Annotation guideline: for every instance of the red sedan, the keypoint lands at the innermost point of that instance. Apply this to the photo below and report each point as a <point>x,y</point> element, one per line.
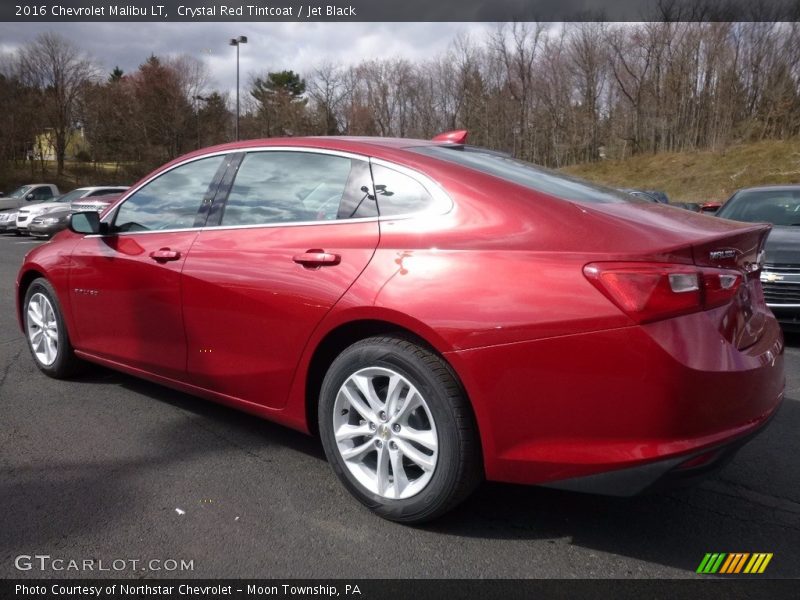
<point>437,313</point>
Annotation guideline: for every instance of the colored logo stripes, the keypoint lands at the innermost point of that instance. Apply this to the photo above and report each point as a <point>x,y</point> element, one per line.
<point>735,562</point>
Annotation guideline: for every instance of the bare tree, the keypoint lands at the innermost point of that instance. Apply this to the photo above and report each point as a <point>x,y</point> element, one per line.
<point>328,90</point>
<point>60,70</point>
<point>552,94</point>
<point>516,47</point>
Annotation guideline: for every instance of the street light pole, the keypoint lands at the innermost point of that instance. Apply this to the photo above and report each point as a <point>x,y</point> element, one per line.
<point>197,111</point>
<point>242,39</point>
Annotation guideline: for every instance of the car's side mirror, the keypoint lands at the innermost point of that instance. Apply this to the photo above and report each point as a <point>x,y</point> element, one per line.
<point>87,222</point>
<point>29,197</point>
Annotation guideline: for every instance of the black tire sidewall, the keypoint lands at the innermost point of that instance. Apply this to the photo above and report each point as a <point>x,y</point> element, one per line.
<point>63,364</point>
<point>437,493</point>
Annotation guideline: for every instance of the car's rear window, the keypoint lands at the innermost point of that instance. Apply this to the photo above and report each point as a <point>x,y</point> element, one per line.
<point>527,174</point>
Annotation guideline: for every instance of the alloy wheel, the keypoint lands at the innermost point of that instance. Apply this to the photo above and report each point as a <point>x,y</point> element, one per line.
<point>385,433</point>
<point>42,329</point>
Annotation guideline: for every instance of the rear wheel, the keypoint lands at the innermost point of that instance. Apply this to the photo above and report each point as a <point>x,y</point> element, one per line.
<point>45,331</point>
<point>398,430</point>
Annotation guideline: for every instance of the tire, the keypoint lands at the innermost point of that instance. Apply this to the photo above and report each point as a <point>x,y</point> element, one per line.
<point>41,304</point>
<point>426,448</point>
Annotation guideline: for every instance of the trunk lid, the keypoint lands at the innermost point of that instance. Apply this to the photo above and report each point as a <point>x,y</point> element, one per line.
<point>667,234</point>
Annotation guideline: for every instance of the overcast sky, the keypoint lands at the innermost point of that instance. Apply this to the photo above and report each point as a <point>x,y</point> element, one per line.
<point>270,47</point>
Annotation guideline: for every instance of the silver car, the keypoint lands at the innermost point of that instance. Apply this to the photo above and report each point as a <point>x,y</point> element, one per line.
<point>8,221</point>
<point>79,195</point>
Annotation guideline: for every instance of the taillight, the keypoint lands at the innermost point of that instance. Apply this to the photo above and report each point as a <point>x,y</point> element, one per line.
<point>720,286</point>
<point>654,291</point>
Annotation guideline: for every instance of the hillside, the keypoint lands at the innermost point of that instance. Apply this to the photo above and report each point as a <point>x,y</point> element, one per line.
<point>700,176</point>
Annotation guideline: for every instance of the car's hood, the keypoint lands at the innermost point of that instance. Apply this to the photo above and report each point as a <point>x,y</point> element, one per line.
<point>783,246</point>
<point>56,212</point>
<point>40,207</point>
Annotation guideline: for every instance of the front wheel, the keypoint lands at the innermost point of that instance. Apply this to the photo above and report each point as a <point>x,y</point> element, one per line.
<point>45,331</point>
<point>398,430</point>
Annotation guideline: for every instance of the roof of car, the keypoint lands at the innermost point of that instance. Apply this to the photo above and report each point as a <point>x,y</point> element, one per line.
<point>774,188</point>
<point>343,143</point>
<point>102,187</point>
<point>381,147</point>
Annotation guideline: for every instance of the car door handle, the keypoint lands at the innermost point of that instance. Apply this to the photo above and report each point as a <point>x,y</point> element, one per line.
<point>164,255</point>
<point>317,258</point>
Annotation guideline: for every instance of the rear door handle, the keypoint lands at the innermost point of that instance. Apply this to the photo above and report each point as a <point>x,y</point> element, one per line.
<point>317,258</point>
<point>164,255</point>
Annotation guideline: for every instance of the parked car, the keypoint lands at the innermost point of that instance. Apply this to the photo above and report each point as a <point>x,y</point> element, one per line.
<point>98,201</point>
<point>47,225</point>
<point>780,278</point>
<point>640,194</point>
<point>8,221</point>
<point>79,195</point>
<point>659,196</point>
<point>33,192</point>
<point>437,313</point>
<point>649,195</point>
<point>710,207</point>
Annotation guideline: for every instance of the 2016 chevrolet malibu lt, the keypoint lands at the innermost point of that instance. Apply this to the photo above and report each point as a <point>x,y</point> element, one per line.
<point>437,313</point>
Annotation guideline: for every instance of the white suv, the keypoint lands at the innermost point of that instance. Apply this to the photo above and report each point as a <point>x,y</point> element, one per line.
<point>26,214</point>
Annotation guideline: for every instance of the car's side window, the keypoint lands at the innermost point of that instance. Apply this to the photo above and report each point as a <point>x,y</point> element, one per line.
<point>286,187</point>
<point>171,200</point>
<point>358,201</point>
<point>399,194</point>
<point>42,193</point>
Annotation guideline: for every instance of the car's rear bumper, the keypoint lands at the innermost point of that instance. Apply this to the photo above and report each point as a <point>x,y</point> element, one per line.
<point>646,397</point>
<point>662,474</point>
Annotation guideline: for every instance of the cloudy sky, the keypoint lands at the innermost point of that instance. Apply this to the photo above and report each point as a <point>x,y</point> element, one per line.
<point>271,46</point>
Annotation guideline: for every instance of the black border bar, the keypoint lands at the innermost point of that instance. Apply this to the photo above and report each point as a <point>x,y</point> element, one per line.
<point>707,588</point>
<point>397,10</point>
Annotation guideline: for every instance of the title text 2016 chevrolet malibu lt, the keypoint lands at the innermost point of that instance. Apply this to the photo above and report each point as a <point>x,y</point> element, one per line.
<point>438,313</point>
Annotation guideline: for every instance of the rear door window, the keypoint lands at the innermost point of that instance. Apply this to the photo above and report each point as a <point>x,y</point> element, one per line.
<point>282,187</point>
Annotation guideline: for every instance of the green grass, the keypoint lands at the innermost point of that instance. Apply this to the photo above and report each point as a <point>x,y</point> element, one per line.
<point>700,176</point>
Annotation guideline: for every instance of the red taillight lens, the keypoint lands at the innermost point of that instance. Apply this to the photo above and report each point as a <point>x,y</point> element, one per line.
<point>653,291</point>
<point>720,286</point>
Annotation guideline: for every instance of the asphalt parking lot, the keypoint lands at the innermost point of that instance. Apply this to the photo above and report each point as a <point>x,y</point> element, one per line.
<point>108,467</point>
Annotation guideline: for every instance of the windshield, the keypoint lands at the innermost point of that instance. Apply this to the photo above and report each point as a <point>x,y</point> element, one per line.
<point>70,196</point>
<point>528,175</point>
<point>20,191</point>
<point>779,207</point>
